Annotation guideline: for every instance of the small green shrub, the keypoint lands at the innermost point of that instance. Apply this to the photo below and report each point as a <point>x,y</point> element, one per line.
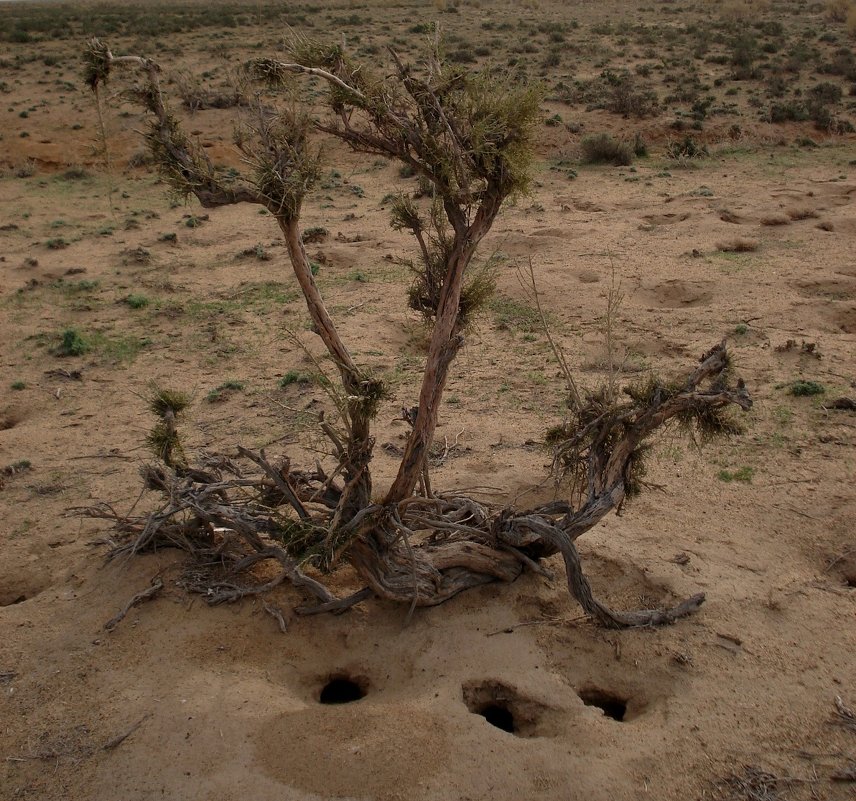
<point>221,392</point>
<point>72,343</point>
<point>802,389</point>
<point>687,148</point>
<point>137,301</point>
<point>18,385</point>
<point>295,377</point>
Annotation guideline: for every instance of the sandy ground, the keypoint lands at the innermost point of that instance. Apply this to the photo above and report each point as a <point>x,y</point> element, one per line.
<point>217,703</point>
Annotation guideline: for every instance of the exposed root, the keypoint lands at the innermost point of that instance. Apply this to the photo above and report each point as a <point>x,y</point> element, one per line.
<point>421,550</point>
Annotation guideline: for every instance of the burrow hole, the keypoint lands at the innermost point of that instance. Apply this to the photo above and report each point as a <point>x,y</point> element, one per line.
<point>343,689</point>
<point>611,704</point>
<point>15,599</point>
<point>499,715</point>
<point>503,707</point>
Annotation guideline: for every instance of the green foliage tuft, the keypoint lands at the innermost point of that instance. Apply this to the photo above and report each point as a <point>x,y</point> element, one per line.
<point>743,474</point>
<point>803,388</point>
<point>160,401</point>
<point>137,301</point>
<point>72,343</point>
<point>96,63</point>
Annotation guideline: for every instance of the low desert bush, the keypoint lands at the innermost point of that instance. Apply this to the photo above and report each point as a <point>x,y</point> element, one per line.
<point>604,149</point>
<point>838,10</point>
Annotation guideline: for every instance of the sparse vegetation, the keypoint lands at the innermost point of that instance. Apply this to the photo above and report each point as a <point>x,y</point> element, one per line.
<point>215,309</point>
<point>222,391</point>
<point>742,474</point>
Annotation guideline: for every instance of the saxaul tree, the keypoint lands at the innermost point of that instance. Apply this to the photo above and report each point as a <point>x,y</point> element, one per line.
<point>470,135</point>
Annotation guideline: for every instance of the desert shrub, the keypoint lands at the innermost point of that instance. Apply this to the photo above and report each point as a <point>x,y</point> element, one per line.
<point>737,246</point>
<point>735,11</point>
<point>463,55</point>
<point>137,301</point>
<point>790,111</point>
<point>553,58</point>
<point>842,62</point>
<point>686,148</point>
<point>72,343</point>
<point>629,100</point>
<point>744,53</point>
<point>701,107</point>
<point>803,389</point>
<point>837,10</point>
<point>481,157</point>
<point>617,92</point>
<point>604,149</point>
<point>825,94</point>
<point>821,99</point>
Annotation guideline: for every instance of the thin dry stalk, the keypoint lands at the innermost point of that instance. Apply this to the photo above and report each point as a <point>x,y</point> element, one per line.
<point>531,287</point>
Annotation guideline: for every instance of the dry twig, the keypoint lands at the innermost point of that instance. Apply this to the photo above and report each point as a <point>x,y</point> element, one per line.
<point>143,595</point>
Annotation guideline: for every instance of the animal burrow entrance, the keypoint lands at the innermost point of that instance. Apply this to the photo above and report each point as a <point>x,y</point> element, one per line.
<point>341,688</point>
<point>499,715</point>
<point>503,707</point>
<point>15,599</point>
<point>611,704</point>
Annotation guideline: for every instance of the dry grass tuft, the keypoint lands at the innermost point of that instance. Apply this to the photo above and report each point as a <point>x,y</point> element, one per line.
<point>838,10</point>
<point>754,784</point>
<point>776,219</point>
<point>738,246</point>
<point>802,214</point>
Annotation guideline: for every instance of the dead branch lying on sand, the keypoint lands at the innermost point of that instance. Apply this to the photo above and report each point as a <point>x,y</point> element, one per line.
<point>143,595</point>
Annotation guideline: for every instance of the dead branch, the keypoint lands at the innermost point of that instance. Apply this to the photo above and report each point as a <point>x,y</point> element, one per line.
<point>276,613</point>
<point>143,595</point>
<point>113,742</point>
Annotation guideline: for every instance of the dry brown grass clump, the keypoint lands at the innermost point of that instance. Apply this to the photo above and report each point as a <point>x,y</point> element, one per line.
<point>738,246</point>
<point>838,10</point>
<point>776,219</point>
<point>802,214</point>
